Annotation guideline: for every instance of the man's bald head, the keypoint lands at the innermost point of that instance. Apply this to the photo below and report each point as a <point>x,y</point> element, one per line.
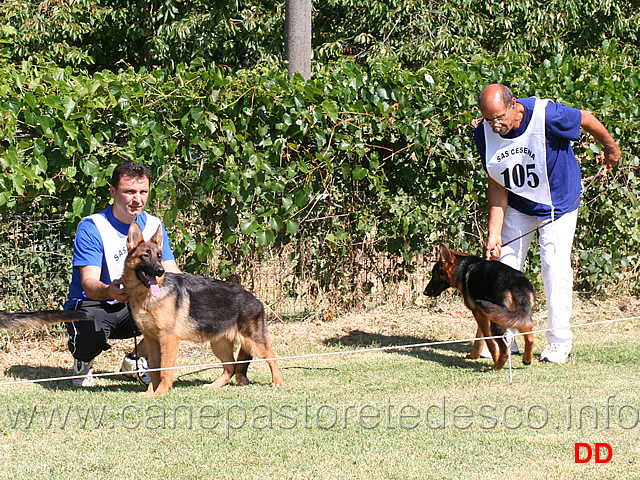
<point>496,92</point>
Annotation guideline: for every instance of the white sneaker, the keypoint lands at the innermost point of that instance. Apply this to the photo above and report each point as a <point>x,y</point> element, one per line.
<point>85,369</point>
<point>130,366</point>
<point>485,353</point>
<point>556,352</point>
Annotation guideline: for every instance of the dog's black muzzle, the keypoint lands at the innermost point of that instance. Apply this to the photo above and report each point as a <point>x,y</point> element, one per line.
<point>148,275</point>
<point>438,283</point>
<point>435,287</point>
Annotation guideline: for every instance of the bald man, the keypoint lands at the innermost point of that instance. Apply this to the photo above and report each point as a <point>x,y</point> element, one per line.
<point>535,183</point>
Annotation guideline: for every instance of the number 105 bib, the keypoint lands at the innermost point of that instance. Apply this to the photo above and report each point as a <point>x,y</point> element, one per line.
<point>520,164</point>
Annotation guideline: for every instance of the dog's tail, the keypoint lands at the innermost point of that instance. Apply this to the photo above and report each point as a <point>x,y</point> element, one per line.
<point>520,318</point>
<point>38,319</point>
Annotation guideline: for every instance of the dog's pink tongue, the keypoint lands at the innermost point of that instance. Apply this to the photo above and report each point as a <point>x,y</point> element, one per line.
<point>154,288</point>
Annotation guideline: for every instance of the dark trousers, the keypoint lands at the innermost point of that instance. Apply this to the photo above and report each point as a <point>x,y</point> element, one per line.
<point>89,339</point>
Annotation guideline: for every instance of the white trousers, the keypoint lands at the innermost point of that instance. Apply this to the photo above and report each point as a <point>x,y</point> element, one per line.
<point>555,240</point>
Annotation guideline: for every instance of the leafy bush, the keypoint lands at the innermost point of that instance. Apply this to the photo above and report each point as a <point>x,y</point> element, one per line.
<point>110,34</point>
<point>354,163</point>
<point>415,32</point>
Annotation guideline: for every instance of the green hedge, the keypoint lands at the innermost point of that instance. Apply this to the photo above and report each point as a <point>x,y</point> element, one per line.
<point>355,162</point>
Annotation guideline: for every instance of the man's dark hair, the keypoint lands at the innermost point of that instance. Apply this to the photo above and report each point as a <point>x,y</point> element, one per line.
<point>130,169</point>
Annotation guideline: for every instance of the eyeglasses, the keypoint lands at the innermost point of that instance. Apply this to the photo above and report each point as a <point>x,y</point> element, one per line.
<point>498,119</point>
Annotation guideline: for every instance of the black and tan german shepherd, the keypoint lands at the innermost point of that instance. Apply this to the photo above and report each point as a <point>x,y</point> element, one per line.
<point>499,297</point>
<point>171,307</point>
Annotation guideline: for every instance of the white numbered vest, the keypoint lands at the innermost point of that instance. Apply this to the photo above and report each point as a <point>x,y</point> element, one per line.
<point>115,243</point>
<point>520,164</point>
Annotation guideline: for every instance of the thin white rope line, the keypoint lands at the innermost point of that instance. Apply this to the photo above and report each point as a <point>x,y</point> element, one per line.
<point>238,362</point>
<point>579,325</point>
<point>311,355</point>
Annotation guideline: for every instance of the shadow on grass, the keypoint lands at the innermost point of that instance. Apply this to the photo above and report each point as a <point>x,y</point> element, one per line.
<point>450,354</point>
<point>43,375</point>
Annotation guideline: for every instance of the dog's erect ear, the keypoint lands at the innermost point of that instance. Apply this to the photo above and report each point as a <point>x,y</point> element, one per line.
<point>445,254</point>
<point>157,238</point>
<point>135,236</point>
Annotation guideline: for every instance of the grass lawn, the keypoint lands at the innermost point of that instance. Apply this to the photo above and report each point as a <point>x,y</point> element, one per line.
<point>398,414</point>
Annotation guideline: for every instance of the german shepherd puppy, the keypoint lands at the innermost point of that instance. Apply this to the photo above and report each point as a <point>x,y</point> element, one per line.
<point>171,307</point>
<point>499,297</point>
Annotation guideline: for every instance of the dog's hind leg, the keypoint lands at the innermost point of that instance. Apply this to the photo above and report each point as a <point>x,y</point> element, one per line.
<point>504,355</point>
<point>498,331</point>
<point>484,326</point>
<point>276,375</point>
<point>262,349</point>
<point>223,349</point>
<point>527,357</point>
<point>241,368</point>
<point>478,345</point>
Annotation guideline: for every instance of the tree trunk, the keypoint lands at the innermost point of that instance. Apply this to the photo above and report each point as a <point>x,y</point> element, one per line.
<point>298,37</point>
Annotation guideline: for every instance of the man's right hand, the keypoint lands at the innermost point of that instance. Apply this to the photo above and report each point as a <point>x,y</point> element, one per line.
<point>117,291</point>
<point>492,249</point>
<point>96,290</point>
